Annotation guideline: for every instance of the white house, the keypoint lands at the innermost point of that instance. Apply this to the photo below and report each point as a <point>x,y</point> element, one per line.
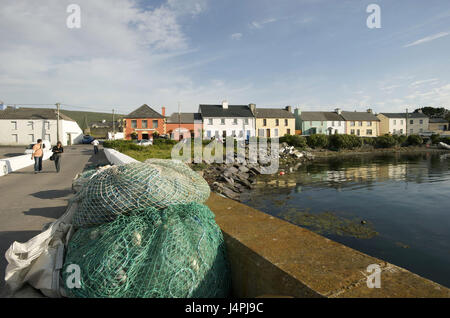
<point>23,126</point>
<point>400,124</point>
<point>335,122</point>
<point>225,120</point>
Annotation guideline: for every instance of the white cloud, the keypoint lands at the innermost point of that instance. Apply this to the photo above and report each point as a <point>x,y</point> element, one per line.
<point>236,36</point>
<point>260,24</point>
<point>422,82</point>
<point>428,39</point>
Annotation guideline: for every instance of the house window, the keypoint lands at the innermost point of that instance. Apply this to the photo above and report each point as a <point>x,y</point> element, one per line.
<point>395,122</point>
<point>246,121</point>
<point>241,134</point>
<point>411,131</point>
<point>47,125</point>
<point>288,131</point>
<point>394,131</point>
<point>421,121</point>
<point>208,133</point>
<point>360,123</point>
<point>352,123</point>
<point>332,123</point>
<point>369,123</point>
<point>14,125</point>
<point>216,134</point>
<point>264,122</point>
<point>401,122</point>
<point>275,132</point>
<point>235,121</point>
<point>358,132</point>
<point>47,137</point>
<point>210,121</point>
<point>222,121</point>
<point>31,124</point>
<point>233,133</point>
<point>369,132</point>
<point>15,138</point>
<point>411,121</point>
<point>134,124</point>
<point>352,131</point>
<point>339,123</point>
<point>224,134</point>
<point>144,124</point>
<point>31,137</point>
<point>286,122</point>
<point>277,122</point>
<point>155,124</point>
<point>260,132</point>
<point>401,131</point>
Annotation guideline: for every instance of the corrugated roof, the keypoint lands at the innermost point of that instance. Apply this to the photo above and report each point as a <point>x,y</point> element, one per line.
<point>273,113</point>
<point>144,111</point>
<point>403,115</point>
<point>232,111</point>
<point>32,113</point>
<point>185,118</point>
<point>362,116</point>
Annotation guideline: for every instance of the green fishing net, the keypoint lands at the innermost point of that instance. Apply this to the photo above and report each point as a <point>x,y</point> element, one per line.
<point>118,190</point>
<point>177,252</point>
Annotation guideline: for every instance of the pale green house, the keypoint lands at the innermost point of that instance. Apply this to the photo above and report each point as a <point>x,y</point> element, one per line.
<point>311,122</point>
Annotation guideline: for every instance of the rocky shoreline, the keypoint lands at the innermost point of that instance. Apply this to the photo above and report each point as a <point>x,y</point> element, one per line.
<point>231,180</point>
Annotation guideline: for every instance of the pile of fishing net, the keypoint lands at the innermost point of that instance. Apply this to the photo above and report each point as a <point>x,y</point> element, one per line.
<point>121,190</point>
<point>83,178</point>
<point>174,252</point>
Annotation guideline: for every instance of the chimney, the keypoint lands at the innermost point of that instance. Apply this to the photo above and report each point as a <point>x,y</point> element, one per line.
<point>297,111</point>
<point>369,110</point>
<point>289,108</point>
<point>252,108</point>
<point>164,111</point>
<point>225,104</point>
<point>338,111</point>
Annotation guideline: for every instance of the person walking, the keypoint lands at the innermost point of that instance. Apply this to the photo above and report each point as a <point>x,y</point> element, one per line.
<point>57,151</point>
<point>95,143</point>
<point>37,156</point>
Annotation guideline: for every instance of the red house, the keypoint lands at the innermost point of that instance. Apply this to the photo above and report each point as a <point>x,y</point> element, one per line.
<point>184,125</point>
<point>144,122</point>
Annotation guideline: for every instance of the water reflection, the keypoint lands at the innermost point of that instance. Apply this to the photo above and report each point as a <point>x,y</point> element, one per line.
<point>403,196</point>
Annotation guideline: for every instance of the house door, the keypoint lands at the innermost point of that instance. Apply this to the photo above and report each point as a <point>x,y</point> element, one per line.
<point>144,136</point>
<point>268,133</point>
<point>69,139</point>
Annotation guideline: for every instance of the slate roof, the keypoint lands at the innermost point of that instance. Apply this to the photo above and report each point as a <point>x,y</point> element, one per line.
<point>32,113</point>
<point>185,118</point>
<point>273,113</point>
<point>144,111</point>
<point>359,116</point>
<point>232,111</point>
<point>403,115</point>
<point>321,116</point>
<point>438,120</point>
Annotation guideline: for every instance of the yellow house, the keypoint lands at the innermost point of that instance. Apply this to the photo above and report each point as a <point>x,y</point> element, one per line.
<point>274,122</point>
<point>363,124</point>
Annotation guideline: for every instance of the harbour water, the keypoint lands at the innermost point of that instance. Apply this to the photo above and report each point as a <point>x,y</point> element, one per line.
<point>392,206</point>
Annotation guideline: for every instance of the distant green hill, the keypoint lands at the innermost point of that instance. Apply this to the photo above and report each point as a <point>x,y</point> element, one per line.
<point>79,117</point>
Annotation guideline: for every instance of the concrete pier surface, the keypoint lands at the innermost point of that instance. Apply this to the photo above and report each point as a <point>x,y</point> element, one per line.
<point>28,201</point>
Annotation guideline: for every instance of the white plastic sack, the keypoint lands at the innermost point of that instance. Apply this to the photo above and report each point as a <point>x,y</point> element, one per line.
<point>39,261</point>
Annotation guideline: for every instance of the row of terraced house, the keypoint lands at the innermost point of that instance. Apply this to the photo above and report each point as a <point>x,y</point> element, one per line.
<point>244,121</point>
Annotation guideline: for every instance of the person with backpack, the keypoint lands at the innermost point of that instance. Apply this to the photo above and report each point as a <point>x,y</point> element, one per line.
<point>37,155</point>
<point>57,151</point>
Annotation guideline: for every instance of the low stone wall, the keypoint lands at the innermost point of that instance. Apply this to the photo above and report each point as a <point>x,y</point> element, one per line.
<point>117,158</point>
<point>270,256</point>
<point>9,165</point>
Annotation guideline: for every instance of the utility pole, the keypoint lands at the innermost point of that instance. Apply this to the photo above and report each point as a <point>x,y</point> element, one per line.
<point>179,121</point>
<point>58,105</point>
<point>114,126</point>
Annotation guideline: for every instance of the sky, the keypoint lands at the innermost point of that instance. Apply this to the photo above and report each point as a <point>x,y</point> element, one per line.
<point>311,54</point>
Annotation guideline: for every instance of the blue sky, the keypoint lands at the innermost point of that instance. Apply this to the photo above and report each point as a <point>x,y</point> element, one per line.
<point>312,54</point>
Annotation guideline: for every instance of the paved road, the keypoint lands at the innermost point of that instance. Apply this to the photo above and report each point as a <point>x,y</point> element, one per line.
<point>28,201</point>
